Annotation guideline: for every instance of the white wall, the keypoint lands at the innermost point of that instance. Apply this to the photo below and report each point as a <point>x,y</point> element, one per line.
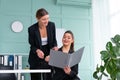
<point>101,28</point>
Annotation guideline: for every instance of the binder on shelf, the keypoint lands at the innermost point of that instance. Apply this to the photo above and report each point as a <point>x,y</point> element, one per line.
<point>2,59</point>
<point>22,77</point>
<point>61,59</point>
<point>19,62</point>
<point>11,60</point>
<point>19,75</point>
<point>5,60</point>
<point>15,62</point>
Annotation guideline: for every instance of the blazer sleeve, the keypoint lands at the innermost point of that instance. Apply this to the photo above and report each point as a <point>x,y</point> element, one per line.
<point>31,39</point>
<point>54,36</point>
<point>51,29</point>
<point>74,71</point>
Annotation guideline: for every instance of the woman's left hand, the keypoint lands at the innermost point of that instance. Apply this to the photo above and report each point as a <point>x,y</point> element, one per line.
<point>67,70</point>
<point>47,58</point>
<point>55,48</point>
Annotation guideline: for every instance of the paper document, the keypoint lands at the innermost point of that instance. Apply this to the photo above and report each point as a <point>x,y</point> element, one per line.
<point>61,59</point>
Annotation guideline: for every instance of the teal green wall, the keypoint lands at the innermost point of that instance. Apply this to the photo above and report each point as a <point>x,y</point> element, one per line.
<point>68,15</point>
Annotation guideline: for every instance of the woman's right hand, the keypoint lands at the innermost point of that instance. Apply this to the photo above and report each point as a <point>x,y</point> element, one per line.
<point>67,70</point>
<point>40,53</point>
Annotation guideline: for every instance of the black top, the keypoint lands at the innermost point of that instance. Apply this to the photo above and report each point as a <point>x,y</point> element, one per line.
<point>61,75</point>
<point>35,41</point>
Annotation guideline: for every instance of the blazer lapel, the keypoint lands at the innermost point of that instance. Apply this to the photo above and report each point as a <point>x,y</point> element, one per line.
<point>37,33</point>
<point>48,34</point>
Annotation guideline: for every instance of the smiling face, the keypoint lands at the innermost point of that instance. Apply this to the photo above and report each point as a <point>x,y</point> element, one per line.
<point>67,39</point>
<point>43,21</point>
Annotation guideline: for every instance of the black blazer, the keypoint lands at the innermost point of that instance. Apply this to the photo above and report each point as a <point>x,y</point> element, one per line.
<point>61,75</point>
<point>34,38</point>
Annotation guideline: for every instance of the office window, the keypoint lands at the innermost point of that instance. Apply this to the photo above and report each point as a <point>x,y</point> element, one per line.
<point>114,13</point>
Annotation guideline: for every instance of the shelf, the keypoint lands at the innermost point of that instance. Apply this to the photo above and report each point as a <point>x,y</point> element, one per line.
<point>26,71</point>
<point>83,3</point>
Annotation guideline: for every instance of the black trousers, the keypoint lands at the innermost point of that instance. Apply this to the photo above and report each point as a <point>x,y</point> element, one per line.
<point>42,64</point>
<point>42,76</point>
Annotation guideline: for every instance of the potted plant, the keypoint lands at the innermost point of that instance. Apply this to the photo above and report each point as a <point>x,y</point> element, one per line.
<point>111,60</point>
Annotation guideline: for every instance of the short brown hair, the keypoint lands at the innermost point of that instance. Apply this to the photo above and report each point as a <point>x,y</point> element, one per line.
<point>41,12</point>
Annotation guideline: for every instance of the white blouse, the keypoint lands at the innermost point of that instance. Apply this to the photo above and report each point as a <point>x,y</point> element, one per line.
<point>44,41</point>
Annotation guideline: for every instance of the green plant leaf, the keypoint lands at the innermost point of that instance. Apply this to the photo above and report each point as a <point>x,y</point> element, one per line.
<point>111,58</point>
<point>118,64</point>
<point>116,50</point>
<point>97,68</point>
<point>109,46</point>
<point>95,75</point>
<point>102,68</point>
<point>105,74</point>
<point>104,55</point>
<point>116,40</point>
<point>114,74</point>
<point>108,68</point>
<point>100,77</point>
<point>118,75</point>
<point>112,64</point>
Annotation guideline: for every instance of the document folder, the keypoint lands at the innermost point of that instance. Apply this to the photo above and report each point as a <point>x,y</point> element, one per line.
<point>61,59</point>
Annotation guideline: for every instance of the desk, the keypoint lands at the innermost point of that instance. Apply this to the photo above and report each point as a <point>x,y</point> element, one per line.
<point>26,71</point>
